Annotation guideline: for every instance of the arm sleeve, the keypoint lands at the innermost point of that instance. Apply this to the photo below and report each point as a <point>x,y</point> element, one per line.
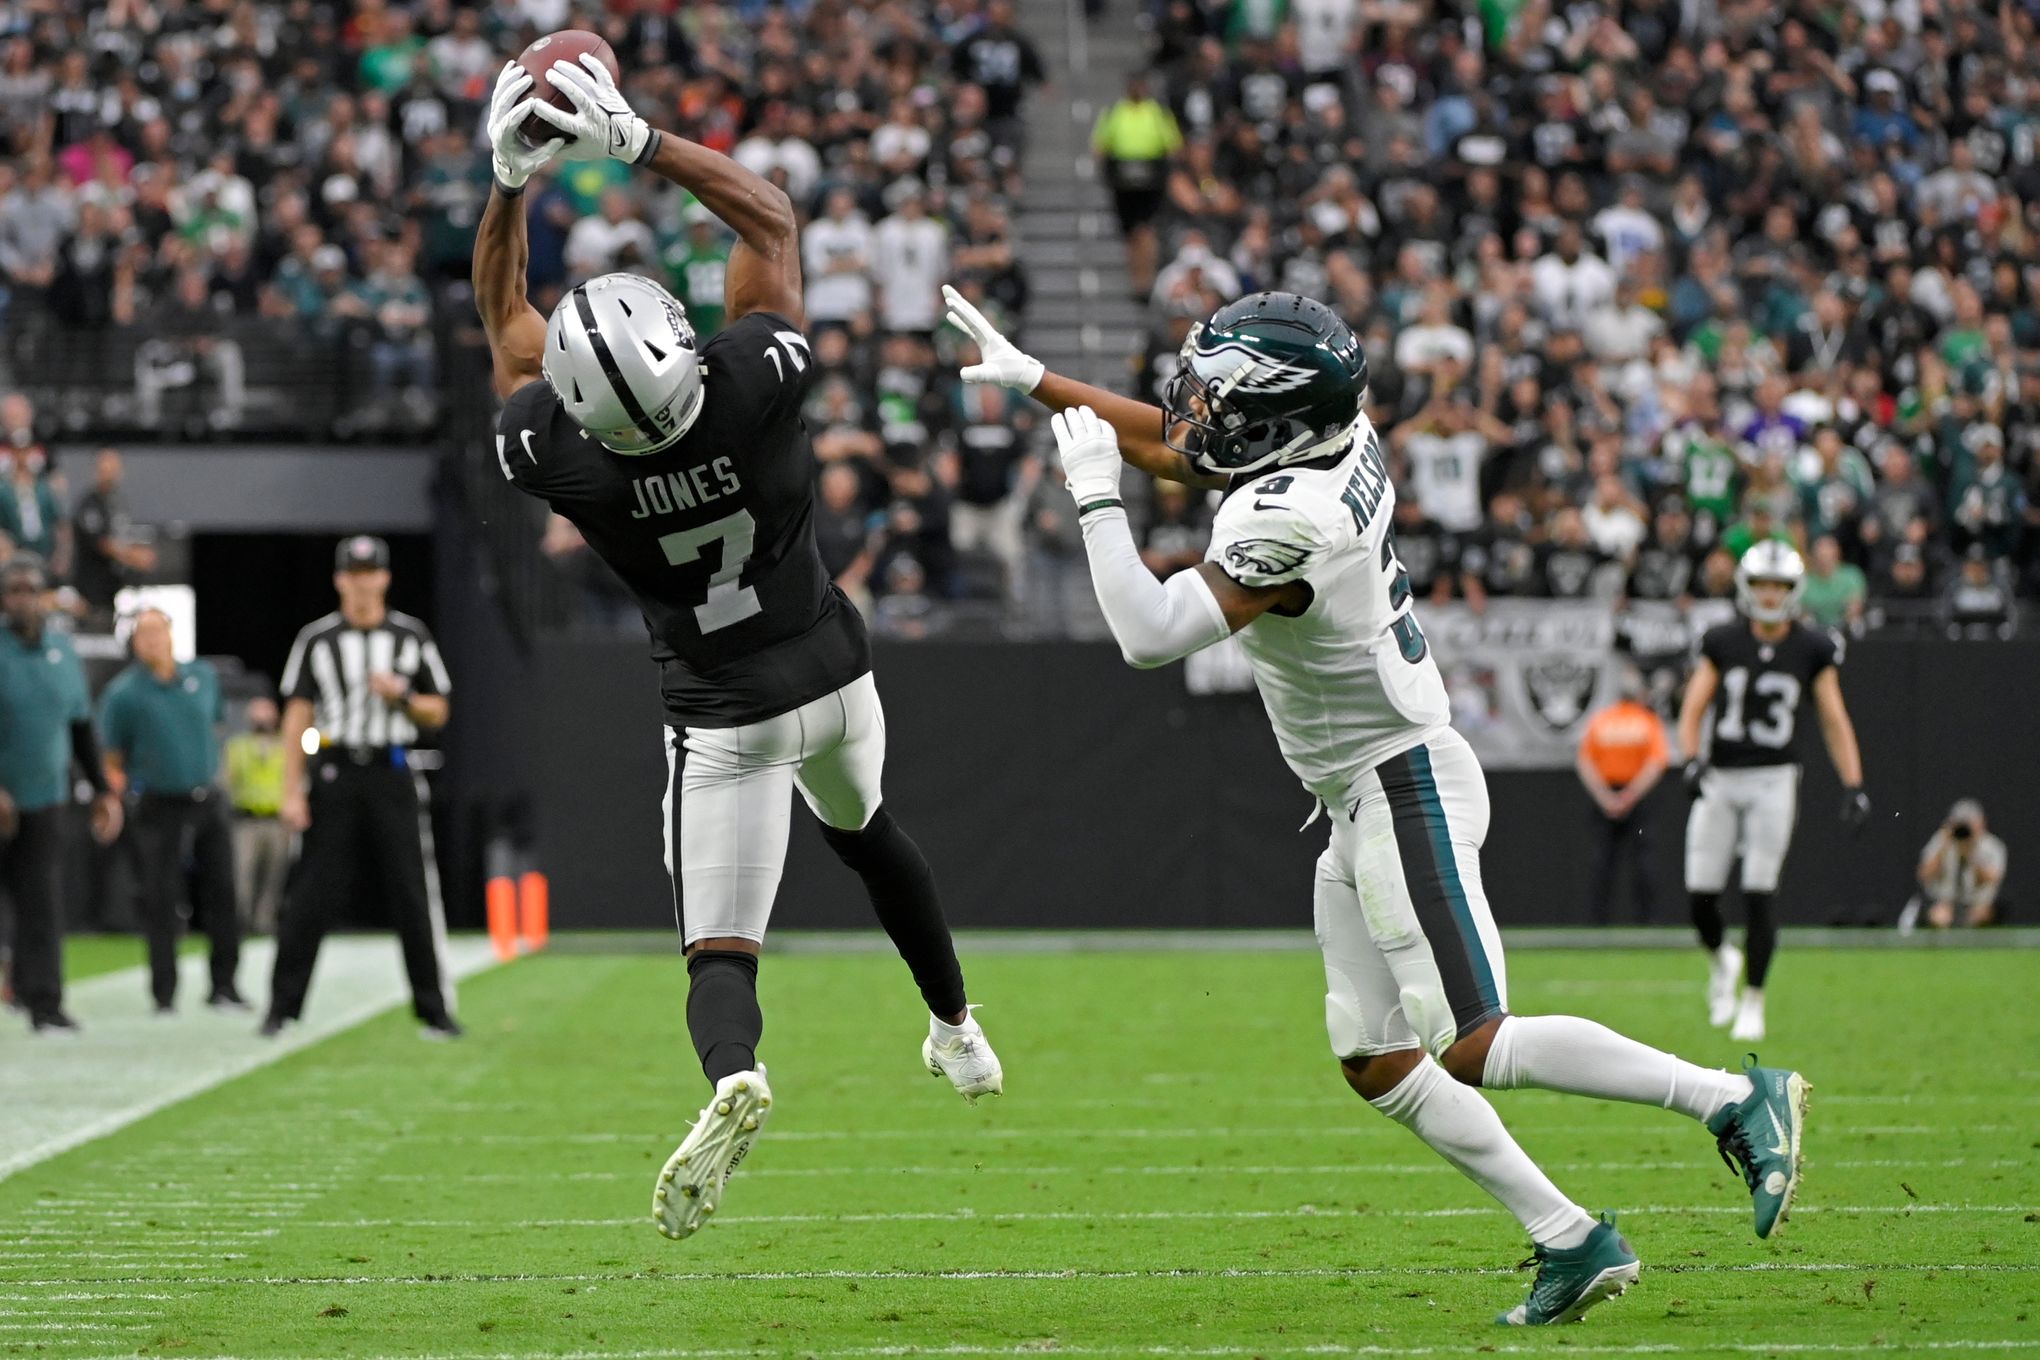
<point>522,428</point>
<point>1154,622</point>
<point>85,750</point>
<point>1261,542</point>
<point>113,723</point>
<point>763,360</point>
<point>297,672</point>
<point>1826,656</point>
<point>432,677</point>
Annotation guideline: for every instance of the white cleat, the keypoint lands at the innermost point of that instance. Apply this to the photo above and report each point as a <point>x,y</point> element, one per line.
<point>963,1054</point>
<point>1721,985</point>
<point>1749,1018</point>
<point>691,1184</point>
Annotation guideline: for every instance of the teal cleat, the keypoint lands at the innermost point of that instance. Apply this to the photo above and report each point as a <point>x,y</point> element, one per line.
<point>1571,1281</point>
<point>1760,1138</point>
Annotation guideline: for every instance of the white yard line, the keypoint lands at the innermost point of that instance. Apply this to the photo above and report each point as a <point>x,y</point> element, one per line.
<point>1361,1128</point>
<point>60,1091</point>
<point>966,1215</point>
<point>597,1280</point>
<point>1355,1168</point>
<point>1050,1346</point>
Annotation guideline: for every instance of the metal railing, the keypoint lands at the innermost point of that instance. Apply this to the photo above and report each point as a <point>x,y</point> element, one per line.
<point>236,377</point>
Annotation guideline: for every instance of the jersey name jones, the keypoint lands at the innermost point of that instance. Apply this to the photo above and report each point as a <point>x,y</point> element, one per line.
<point>667,492</point>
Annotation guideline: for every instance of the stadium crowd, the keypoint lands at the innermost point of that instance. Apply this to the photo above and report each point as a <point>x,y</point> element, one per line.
<point>266,209</point>
<point>1640,282</point>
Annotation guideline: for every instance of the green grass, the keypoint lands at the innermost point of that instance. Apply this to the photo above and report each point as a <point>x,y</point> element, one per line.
<point>1177,1169</point>
<point>90,955</point>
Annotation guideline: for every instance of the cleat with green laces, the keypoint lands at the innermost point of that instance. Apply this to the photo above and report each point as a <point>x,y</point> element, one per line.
<point>1760,1139</point>
<point>1572,1280</point>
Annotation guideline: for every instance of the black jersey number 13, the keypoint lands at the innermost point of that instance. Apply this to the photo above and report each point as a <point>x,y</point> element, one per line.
<point>1774,727</point>
<point>729,601</point>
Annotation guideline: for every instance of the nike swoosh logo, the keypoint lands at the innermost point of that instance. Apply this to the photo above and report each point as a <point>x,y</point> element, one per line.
<point>1264,505</point>
<point>524,437</point>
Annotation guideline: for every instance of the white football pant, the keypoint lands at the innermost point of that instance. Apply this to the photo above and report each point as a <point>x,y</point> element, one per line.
<point>1742,814</point>
<point>731,817</point>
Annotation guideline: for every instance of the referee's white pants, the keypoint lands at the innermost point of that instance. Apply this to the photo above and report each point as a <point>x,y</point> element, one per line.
<point>1744,814</point>
<point>728,799</point>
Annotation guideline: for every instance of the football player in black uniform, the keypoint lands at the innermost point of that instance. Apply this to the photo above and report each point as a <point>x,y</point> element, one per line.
<point>688,470</point>
<point>1752,680</point>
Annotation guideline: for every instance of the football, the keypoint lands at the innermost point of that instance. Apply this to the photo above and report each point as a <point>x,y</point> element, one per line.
<point>566,45</point>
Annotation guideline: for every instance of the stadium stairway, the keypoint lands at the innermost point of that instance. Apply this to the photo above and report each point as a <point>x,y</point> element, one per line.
<point>1080,319</point>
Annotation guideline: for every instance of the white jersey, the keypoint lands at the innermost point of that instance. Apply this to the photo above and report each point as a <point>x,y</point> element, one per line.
<point>1445,476</point>
<point>1351,681</point>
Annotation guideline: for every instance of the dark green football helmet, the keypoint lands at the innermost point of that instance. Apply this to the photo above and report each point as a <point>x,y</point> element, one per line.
<point>1272,378</point>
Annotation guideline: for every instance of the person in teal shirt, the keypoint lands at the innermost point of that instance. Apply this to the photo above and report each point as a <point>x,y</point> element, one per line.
<point>30,515</point>
<point>160,722</point>
<point>45,720</point>
<point>1835,590</point>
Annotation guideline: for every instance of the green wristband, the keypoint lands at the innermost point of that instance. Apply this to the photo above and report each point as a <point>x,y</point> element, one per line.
<point>1089,506</point>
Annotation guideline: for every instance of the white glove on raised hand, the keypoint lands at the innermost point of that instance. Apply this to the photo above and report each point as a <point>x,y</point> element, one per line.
<point>1090,455</point>
<point>601,122</point>
<point>513,159</point>
<point>1001,359</point>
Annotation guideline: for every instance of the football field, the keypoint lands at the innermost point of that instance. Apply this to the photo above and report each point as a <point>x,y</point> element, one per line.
<point>1176,1170</point>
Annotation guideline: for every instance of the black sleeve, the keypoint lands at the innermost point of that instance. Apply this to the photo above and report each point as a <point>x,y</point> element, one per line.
<point>85,750</point>
<point>1031,67</point>
<point>522,432</point>
<point>90,520</point>
<point>1711,647</point>
<point>762,361</point>
<point>1821,654</point>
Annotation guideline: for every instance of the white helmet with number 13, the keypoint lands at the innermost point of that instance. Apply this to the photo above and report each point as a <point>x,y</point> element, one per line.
<point>622,356</point>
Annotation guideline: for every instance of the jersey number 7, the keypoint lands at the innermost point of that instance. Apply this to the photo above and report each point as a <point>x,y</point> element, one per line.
<point>728,600</point>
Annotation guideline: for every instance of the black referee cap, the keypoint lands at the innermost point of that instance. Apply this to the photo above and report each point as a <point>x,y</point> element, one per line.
<point>363,552</point>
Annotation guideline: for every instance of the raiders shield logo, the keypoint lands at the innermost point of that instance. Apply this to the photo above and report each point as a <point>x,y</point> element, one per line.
<point>1560,688</point>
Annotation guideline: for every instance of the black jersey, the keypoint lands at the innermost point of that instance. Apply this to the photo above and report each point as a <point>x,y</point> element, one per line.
<point>714,534</point>
<point>1763,687</point>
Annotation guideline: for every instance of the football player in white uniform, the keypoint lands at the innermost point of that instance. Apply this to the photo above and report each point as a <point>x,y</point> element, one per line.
<point>1267,406</point>
<point>1753,677</point>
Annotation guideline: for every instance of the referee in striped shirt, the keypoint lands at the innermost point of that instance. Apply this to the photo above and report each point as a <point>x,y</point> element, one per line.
<point>366,680</point>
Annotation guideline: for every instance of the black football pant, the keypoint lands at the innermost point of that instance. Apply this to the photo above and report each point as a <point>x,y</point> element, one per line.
<point>1619,841</point>
<point>169,832</point>
<point>364,818</point>
<point>28,867</point>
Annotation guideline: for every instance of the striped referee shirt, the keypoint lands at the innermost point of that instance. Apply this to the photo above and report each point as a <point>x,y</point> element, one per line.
<point>329,668</point>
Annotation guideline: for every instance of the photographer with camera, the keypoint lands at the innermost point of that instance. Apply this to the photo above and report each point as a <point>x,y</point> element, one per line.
<point>1960,870</point>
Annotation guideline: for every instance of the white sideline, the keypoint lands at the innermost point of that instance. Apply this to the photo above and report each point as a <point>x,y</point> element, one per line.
<point>58,1091</point>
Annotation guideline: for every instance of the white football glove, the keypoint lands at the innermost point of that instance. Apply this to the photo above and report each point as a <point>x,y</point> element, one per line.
<point>1090,454</point>
<point>513,158</point>
<point>1001,359</point>
<point>601,122</point>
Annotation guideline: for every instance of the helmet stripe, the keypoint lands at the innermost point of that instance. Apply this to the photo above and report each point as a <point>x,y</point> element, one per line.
<point>631,406</point>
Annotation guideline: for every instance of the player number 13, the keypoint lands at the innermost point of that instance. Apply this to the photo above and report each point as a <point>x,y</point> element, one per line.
<point>728,600</point>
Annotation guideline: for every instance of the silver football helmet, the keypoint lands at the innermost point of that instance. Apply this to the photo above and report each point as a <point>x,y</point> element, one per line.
<point>622,355</point>
<point>1770,560</point>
